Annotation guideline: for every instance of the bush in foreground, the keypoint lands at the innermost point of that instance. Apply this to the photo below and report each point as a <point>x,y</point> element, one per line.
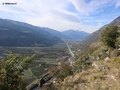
<point>11,71</point>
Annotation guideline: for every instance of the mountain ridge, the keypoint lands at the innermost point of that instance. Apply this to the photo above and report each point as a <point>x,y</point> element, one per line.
<point>56,33</point>
<point>15,33</point>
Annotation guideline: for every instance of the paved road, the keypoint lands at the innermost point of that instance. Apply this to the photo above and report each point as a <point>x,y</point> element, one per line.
<point>72,55</point>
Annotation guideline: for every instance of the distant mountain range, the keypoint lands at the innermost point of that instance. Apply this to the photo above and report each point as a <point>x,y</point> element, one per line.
<point>75,34</point>
<point>96,35</point>
<point>14,33</point>
<point>68,34</point>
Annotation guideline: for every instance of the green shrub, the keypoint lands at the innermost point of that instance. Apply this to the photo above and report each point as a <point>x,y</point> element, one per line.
<point>109,36</point>
<point>11,71</point>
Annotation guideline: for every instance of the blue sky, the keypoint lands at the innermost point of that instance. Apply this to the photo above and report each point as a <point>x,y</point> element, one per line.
<point>61,15</point>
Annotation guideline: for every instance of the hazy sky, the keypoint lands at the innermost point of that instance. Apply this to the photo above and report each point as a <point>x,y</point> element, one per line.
<point>85,15</point>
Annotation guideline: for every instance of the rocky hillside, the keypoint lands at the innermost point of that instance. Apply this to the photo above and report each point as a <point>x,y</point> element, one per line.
<point>97,69</point>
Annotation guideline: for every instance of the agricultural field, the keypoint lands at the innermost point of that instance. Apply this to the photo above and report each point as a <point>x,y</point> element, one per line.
<point>46,57</point>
